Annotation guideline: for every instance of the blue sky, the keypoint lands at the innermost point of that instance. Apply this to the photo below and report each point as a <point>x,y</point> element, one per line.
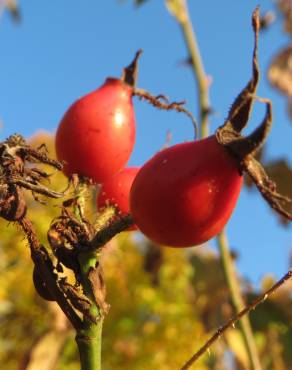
<point>63,49</point>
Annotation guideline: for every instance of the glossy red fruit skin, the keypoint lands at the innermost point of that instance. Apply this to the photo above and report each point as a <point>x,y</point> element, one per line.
<point>186,193</point>
<point>95,138</point>
<point>116,191</point>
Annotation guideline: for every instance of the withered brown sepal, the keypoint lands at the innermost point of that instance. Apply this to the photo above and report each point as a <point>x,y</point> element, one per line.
<point>244,148</point>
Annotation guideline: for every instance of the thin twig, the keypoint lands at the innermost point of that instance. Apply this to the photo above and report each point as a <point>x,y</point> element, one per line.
<point>231,322</point>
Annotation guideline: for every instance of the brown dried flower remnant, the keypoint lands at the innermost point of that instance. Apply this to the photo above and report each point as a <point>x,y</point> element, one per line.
<point>244,148</point>
<point>17,172</point>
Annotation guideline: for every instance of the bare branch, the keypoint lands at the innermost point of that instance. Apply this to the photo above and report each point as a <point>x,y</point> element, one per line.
<point>230,323</point>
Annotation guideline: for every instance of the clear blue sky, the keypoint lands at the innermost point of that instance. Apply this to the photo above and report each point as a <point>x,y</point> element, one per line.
<point>64,49</point>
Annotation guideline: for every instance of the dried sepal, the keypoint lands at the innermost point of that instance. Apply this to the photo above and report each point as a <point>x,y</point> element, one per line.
<point>240,110</point>
<point>62,247</point>
<point>96,279</point>
<point>47,269</point>
<point>266,186</point>
<point>281,172</point>
<point>36,188</point>
<point>67,236</point>
<point>12,203</point>
<point>243,148</point>
<point>15,145</point>
<point>130,73</point>
<point>16,158</point>
<point>40,285</point>
<point>40,156</point>
<point>77,299</point>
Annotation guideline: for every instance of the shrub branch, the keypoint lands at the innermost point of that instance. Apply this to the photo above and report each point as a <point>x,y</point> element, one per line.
<point>231,322</point>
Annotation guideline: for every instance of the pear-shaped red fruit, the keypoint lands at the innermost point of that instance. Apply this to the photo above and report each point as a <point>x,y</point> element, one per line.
<point>116,191</point>
<point>96,136</point>
<point>185,194</point>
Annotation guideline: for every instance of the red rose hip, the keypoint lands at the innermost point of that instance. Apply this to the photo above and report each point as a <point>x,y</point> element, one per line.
<point>116,191</point>
<point>185,194</point>
<point>96,135</point>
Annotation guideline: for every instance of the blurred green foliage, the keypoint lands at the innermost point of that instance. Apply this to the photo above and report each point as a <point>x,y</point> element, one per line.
<point>164,304</point>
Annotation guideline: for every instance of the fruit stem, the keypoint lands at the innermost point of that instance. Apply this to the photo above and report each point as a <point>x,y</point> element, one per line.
<point>237,300</point>
<point>197,64</point>
<point>130,73</point>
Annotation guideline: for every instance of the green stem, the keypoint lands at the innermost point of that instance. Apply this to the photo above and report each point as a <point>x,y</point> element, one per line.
<point>198,68</point>
<point>89,337</point>
<point>89,344</point>
<point>237,300</point>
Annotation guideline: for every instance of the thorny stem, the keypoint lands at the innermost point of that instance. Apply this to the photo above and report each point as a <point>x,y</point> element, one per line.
<point>198,67</point>
<point>182,15</point>
<point>231,322</point>
<point>237,300</point>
